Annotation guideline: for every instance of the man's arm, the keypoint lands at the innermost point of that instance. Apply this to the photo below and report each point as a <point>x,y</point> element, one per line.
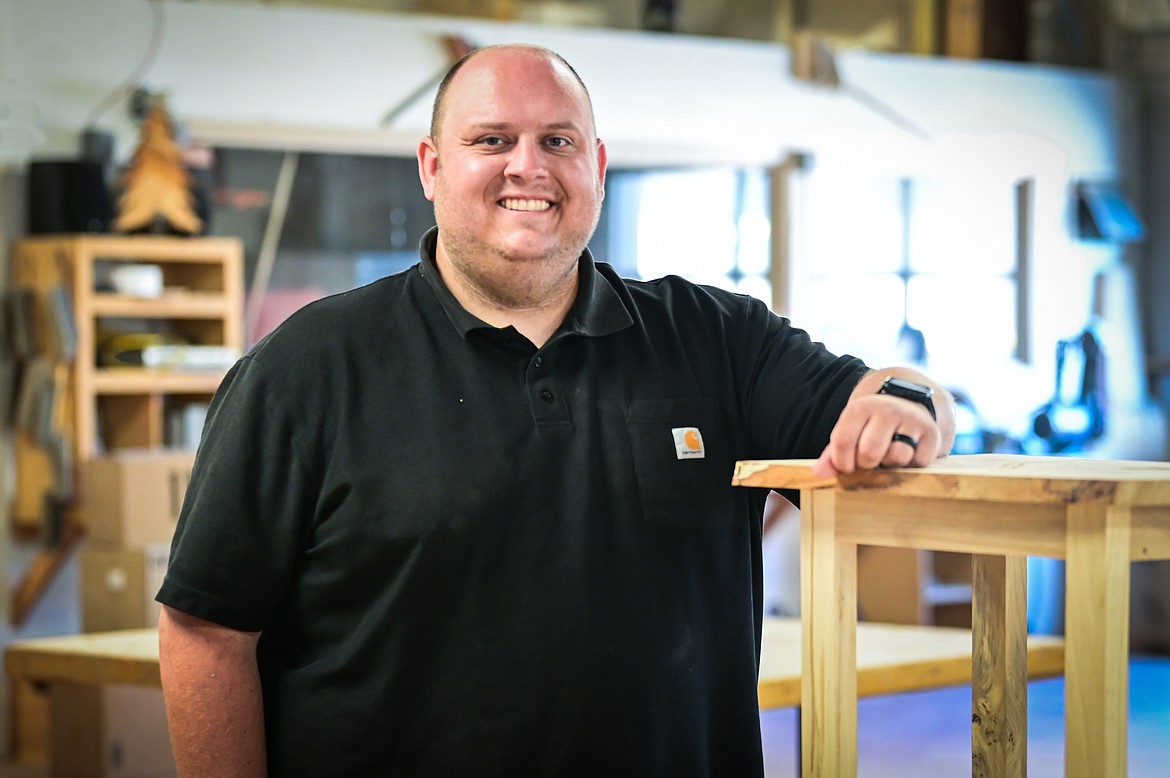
<point>211,684</point>
<point>879,429</point>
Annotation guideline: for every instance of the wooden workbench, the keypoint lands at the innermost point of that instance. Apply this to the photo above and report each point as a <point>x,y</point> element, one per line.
<point>890,658</point>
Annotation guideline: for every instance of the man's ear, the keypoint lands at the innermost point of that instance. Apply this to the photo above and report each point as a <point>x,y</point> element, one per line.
<point>428,163</point>
<point>602,163</point>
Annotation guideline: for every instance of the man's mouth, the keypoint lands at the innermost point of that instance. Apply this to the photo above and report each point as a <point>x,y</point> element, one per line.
<point>514,204</point>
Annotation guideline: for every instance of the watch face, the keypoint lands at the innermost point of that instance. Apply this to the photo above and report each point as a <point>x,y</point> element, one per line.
<point>908,390</point>
<point>900,387</point>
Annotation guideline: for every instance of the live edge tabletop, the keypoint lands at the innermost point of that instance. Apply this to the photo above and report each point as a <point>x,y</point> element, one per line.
<point>1096,515</point>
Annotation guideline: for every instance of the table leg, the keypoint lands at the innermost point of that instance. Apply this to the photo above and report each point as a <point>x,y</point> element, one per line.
<point>1096,639</point>
<point>828,641</point>
<point>29,721</point>
<point>999,669</point>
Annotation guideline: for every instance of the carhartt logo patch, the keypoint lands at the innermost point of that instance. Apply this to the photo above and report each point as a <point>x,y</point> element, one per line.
<point>688,443</point>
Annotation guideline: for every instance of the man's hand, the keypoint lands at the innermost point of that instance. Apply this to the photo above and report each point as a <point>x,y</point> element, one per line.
<point>879,430</point>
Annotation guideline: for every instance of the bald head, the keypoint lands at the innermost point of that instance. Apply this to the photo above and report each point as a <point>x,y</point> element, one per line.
<point>439,107</point>
<point>516,173</point>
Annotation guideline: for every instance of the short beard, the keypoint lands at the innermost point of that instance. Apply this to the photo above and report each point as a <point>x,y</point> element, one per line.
<point>507,281</point>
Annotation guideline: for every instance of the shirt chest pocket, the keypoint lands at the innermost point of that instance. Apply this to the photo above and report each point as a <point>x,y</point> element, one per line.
<point>682,461</point>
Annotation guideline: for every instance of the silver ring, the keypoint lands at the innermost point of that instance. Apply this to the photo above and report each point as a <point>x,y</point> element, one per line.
<point>909,441</point>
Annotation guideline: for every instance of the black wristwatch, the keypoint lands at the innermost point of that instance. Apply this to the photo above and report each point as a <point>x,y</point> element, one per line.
<point>908,390</point>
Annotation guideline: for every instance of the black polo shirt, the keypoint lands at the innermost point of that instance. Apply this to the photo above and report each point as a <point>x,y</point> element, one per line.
<point>469,556</point>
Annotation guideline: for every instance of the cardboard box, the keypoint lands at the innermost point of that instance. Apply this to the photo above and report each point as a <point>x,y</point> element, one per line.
<point>133,496</point>
<point>109,731</point>
<point>118,586</point>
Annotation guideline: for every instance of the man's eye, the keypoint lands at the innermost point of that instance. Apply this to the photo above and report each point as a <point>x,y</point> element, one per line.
<point>492,140</point>
<point>558,142</point>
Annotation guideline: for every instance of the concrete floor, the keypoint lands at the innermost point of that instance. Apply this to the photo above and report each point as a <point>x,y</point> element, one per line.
<point>928,734</point>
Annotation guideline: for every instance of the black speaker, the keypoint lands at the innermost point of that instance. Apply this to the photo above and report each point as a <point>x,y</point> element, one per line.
<point>68,196</point>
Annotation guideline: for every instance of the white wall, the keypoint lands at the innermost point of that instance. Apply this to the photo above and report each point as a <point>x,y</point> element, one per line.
<point>272,72</point>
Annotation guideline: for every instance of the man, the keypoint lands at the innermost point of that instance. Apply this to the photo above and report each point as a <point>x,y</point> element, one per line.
<point>476,518</point>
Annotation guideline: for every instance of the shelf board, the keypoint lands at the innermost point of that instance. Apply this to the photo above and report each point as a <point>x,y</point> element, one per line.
<point>134,380</point>
<point>171,305</point>
<point>210,250</point>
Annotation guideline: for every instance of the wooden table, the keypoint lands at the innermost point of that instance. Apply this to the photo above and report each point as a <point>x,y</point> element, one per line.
<point>891,658</point>
<point>126,656</point>
<point>1096,515</point>
<point>34,666</point>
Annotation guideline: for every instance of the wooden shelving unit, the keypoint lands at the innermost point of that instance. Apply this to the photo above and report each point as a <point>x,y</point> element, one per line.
<point>96,408</point>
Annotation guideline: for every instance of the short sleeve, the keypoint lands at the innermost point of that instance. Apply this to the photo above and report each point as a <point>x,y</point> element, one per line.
<point>797,390</point>
<point>248,506</point>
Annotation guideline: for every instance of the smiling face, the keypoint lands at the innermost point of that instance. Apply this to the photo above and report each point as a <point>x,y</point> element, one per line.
<point>517,176</point>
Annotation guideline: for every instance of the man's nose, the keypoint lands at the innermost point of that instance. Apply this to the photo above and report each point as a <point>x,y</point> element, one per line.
<point>527,159</point>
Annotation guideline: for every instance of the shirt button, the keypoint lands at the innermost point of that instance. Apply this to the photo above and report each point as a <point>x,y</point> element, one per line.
<point>538,362</point>
<point>546,395</point>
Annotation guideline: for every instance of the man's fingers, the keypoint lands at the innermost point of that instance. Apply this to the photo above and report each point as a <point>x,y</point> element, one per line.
<point>823,467</point>
<point>871,433</point>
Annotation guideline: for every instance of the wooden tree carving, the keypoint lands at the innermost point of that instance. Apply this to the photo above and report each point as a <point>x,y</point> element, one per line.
<point>156,194</point>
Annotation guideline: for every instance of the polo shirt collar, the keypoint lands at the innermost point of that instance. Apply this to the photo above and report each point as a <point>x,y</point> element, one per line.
<point>598,309</point>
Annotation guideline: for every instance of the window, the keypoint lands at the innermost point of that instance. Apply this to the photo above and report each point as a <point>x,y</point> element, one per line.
<point>891,263</point>
<point>708,225</point>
